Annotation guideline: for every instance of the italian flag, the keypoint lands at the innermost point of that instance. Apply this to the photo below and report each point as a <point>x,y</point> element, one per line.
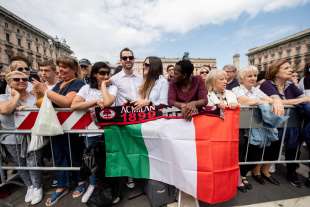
<point>199,157</point>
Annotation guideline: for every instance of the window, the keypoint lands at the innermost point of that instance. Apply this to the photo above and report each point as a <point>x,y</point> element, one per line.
<point>29,45</point>
<point>37,49</point>
<point>6,25</point>
<point>19,42</point>
<point>36,39</point>
<point>18,30</point>
<point>280,53</point>
<point>298,50</point>
<point>288,52</point>
<point>7,35</point>
<point>272,55</point>
<point>44,51</point>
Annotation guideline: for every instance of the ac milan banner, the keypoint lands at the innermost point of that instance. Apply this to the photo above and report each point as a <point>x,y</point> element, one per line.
<point>124,115</point>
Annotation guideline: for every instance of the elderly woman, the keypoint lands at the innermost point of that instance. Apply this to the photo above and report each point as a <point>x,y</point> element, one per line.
<point>248,95</point>
<point>278,86</point>
<point>217,94</point>
<point>62,95</point>
<point>154,89</point>
<point>16,145</point>
<point>187,92</point>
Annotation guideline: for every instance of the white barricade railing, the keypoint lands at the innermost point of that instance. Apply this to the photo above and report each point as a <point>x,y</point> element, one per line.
<point>81,122</point>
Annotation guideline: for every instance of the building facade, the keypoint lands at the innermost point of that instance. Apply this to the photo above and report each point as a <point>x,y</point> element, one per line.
<point>294,48</point>
<point>197,62</point>
<point>18,37</point>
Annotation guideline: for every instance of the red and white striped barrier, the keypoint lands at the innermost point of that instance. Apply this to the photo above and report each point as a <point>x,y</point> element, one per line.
<point>70,120</point>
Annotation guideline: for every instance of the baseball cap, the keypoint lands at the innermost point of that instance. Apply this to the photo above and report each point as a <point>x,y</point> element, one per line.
<point>85,62</point>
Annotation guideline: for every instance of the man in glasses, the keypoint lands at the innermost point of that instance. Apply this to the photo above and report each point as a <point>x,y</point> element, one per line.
<point>231,72</point>
<point>85,66</point>
<point>127,82</point>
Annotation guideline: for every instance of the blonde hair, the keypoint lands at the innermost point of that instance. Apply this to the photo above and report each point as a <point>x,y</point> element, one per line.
<point>246,71</point>
<point>211,78</point>
<point>9,76</point>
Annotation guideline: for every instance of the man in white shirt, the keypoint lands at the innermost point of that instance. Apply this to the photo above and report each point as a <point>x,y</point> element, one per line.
<point>127,81</point>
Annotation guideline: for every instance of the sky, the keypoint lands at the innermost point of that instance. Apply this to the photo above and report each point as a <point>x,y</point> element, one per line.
<point>99,29</point>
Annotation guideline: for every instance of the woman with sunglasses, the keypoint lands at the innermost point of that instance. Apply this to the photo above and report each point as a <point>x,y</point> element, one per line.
<point>98,91</point>
<point>20,63</point>
<point>154,89</point>
<point>17,98</point>
<point>204,71</point>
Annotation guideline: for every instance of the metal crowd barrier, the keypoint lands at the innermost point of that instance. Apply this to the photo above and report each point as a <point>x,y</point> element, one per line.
<point>248,120</point>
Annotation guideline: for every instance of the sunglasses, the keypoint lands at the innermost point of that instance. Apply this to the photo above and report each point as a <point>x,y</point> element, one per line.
<point>20,79</point>
<point>128,57</point>
<point>204,72</point>
<point>23,69</point>
<point>103,73</point>
<point>147,64</point>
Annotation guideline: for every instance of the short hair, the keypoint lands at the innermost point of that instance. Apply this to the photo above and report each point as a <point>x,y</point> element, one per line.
<point>93,83</point>
<point>125,49</point>
<point>10,75</point>
<point>186,66</point>
<point>212,76</point>
<point>169,66</point>
<point>20,58</point>
<point>230,67</point>
<point>274,68</point>
<point>246,71</point>
<point>70,62</point>
<point>49,63</point>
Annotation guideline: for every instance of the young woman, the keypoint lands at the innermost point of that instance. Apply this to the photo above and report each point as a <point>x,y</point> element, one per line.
<point>154,89</point>
<point>98,91</point>
<point>187,92</point>
<point>16,145</point>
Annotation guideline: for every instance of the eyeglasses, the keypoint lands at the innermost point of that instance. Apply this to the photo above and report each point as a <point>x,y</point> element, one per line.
<point>147,64</point>
<point>103,73</point>
<point>127,57</point>
<point>20,79</point>
<point>204,72</point>
<point>21,69</point>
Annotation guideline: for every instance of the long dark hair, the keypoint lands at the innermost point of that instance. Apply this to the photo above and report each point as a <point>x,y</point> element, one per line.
<point>155,70</point>
<point>93,83</point>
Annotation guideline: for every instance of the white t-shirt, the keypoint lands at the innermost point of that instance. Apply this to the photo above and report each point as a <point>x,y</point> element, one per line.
<point>91,94</point>
<point>7,120</point>
<point>253,93</point>
<point>159,92</point>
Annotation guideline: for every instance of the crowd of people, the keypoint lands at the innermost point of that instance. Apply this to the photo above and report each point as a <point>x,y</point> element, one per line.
<point>79,85</point>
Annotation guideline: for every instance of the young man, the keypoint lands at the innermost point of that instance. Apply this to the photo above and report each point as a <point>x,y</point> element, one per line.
<point>231,76</point>
<point>127,83</point>
<point>85,66</point>
<point>48,73</point>
<point>170,72</point>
